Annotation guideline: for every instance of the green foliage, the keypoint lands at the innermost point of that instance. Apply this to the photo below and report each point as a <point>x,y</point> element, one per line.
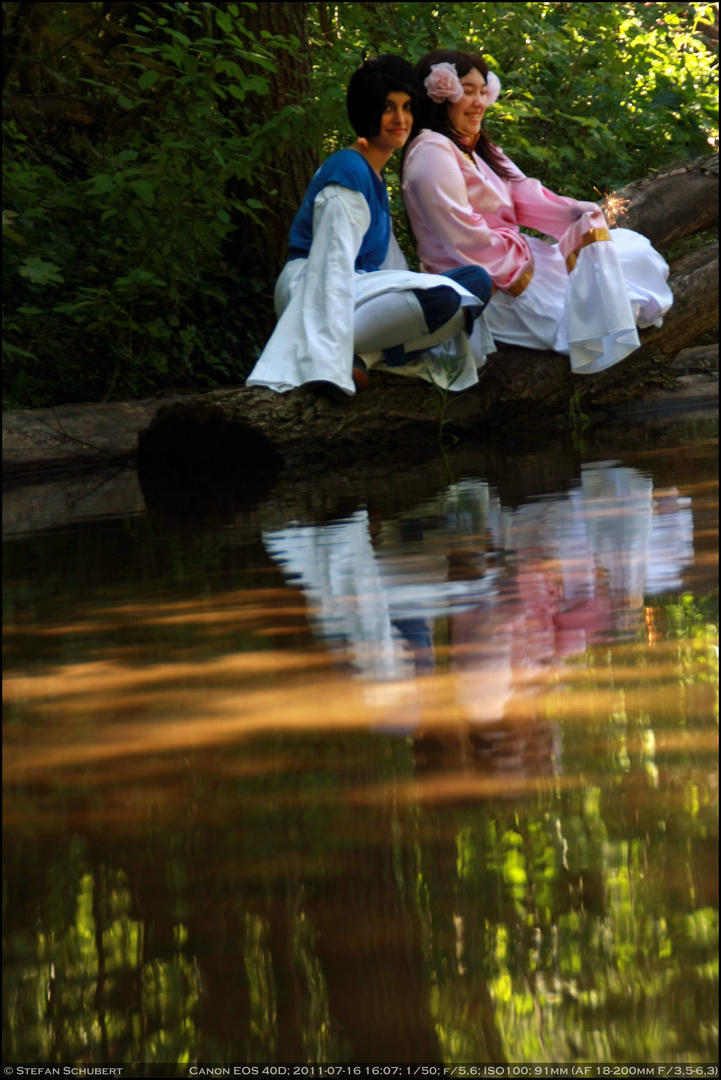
<point>135,151</point>
<point>578,419</point>
<point>115,281</point>
<point>594,95</point>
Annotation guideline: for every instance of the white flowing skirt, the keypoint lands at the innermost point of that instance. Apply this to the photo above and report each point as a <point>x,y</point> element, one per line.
<point>591,314</point>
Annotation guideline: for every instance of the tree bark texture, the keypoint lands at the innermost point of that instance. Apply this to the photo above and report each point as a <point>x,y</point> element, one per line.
<point>261,430</point>
<point>254,245</point>
<point>677,201</point>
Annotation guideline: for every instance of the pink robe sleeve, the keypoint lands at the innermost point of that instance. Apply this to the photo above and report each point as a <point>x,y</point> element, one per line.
<point>538,208</point>
<point>449,231</point>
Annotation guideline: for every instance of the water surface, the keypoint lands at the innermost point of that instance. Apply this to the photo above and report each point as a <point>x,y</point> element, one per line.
<point>417,764</point>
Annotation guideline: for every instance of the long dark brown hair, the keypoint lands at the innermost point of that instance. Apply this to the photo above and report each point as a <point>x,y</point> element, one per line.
<point>435,116</point>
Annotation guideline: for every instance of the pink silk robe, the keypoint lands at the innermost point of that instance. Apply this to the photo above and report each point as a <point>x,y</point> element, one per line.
<point>463,213</point>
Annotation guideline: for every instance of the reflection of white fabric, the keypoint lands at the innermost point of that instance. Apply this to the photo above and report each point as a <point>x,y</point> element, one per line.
<point>316,298</point>
<point>357,594</point>
<point>414,568</point>
<point>670,545</point>
<point>562,568</point>
<point>574,552</point>
<point>617,510</point>
<point>339,575</point>
<point>349,609</point>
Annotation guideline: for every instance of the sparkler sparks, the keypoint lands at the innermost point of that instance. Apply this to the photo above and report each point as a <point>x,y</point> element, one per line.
<point>614,206</point>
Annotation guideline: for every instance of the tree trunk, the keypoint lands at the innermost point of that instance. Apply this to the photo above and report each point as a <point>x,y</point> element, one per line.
<point>675,202</point>
<point>259,429</point>
<point>263,245</point>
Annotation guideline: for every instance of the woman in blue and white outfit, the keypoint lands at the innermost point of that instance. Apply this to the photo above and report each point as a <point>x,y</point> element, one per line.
<point>345,298</point>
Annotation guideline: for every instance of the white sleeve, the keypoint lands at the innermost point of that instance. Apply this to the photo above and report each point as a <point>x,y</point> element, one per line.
<point>313,340</point>
<point>395,259</point>
<point>356,209</point>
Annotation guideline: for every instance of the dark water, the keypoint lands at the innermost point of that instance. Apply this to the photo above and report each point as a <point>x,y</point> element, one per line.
<point>417,764</point>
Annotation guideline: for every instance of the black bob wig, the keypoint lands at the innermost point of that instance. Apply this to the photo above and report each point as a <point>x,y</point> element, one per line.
<point>369,88</point>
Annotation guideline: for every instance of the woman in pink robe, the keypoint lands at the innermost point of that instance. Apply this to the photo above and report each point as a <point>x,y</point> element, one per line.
<point>585,295</point>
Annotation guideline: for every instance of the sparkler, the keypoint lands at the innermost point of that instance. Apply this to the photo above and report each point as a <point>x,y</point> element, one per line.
<point>614,206</point>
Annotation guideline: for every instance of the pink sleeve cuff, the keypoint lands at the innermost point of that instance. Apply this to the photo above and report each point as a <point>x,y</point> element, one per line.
<point>573,238</point>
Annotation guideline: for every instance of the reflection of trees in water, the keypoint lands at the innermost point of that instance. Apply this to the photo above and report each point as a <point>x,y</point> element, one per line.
<point>179,954</point>
<point>352,927</point>
<point>505,888</point>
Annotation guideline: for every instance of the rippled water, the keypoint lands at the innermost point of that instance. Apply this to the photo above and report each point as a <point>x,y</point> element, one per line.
<point>414,764</point>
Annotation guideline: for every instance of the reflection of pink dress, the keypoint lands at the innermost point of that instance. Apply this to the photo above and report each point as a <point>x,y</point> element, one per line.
<point>462,213</point>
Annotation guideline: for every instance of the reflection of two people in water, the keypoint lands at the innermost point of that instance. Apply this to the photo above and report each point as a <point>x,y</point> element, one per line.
<point>497,594</point>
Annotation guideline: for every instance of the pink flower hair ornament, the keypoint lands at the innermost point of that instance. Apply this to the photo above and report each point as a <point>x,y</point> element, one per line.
<point>443,84</point>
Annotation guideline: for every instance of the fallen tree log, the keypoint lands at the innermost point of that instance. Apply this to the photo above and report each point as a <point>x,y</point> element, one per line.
<point>678,201</point>
<point>521,384</point>
<point>261,431</point>
<point>202,496</point>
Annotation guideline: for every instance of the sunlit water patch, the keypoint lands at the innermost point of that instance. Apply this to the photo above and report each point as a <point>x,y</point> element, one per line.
<point>426,772</point>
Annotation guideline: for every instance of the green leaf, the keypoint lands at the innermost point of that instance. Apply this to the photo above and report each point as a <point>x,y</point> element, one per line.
<point>102,184</point>
<point>12,234</point>
<point>125,103</point>
<point>144,190</point>
<point>264,62</point>
<point>148,79</point>
<point>179,36</point>
<point>16,350</point>
<point>190,65</point>
<point>40,272</point>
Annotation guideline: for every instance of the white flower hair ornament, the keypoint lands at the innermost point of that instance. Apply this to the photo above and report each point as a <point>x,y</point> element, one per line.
<point>493,88</point>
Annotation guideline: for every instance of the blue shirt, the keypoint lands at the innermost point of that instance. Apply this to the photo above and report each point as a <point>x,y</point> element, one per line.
<point>351,170</point>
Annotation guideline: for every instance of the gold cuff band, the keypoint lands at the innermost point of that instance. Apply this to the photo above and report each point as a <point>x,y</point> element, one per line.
<point>591,237</point>
<point>520,284</point>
